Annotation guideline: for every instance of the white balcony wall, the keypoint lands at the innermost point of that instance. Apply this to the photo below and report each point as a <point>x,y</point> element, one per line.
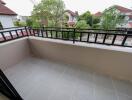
<point>102,59</point>
<point>13,52</point>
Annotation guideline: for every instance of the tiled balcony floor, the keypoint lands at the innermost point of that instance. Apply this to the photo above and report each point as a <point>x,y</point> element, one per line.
<point>37,79</point>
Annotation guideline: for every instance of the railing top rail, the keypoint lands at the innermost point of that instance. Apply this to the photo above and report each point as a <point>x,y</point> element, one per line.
<point>122,30</point>
<point>85,31</point>
<point>11,29</point>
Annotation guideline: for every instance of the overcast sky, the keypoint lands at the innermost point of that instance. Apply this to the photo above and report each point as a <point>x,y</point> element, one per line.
<point>24,7</point>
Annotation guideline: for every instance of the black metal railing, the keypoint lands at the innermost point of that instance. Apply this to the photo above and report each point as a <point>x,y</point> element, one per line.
<point>13,33</point>
<point>97,36</point>
<point>7,89</point>
<point>118,37</point>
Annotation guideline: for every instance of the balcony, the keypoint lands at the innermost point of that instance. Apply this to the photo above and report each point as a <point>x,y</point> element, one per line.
<point>44,64</point>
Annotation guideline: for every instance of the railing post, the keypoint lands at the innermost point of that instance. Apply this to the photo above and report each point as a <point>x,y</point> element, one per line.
<point>74,35</point>
<point>42,31</point>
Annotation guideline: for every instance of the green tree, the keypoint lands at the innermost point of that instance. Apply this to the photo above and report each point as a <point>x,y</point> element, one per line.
<point>89,18</point>
<point>49,10</point>
<point>82,24</point>
<point>29,22</point>
<point>19,23</point>
<point>111,18</point>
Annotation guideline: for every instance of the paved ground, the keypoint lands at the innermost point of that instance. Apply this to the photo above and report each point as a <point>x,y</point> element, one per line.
<point>37,79</point>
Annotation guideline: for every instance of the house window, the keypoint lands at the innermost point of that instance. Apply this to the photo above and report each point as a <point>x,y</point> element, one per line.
<point>1,27</point>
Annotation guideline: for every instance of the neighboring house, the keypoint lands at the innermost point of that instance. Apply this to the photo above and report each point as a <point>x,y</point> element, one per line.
<point>98,14</point>
<point>128,16</point>
<point>127,23</point>
<point>22,18</point>
<point>6,16</point>
<point>72,17</point>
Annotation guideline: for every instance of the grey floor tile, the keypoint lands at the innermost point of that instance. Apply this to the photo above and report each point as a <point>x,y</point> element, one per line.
<point>124,97</point>
<point>123,87</point>
<point>104,94</point>
<point>83,93</point>
<point>62,92</point>
<point>103,81</point>
<point>37,79</point>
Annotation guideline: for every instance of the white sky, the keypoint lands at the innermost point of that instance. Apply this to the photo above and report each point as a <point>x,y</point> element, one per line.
<point>24,7</point>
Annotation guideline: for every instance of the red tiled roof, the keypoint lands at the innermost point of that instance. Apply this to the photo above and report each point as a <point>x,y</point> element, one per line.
<point>72,13</point>
<point>122,9</point>
<point>98,14</point>
<point>2,2</point>
<point>6,11</point>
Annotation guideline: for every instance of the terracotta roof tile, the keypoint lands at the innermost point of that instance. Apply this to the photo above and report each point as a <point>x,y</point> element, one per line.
<point>122,9</point>
<point>6,11</point>
<point>98,14</point>
<point>72,13</point>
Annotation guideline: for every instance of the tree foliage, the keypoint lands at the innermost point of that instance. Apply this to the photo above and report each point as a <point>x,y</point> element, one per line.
<point>89,18</point>
<point>29,22</point>
<point>49,10</point>
<point>82,24</point>
<point>19,23</point>
<point>111,18</point>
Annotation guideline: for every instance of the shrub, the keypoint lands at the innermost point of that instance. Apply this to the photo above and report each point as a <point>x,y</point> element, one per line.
<point>29,22</point>
<point>19,24</point>
<point>82,24</point>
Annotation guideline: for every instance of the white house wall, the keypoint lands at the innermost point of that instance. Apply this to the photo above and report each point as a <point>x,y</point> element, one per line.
<point>7,20</point>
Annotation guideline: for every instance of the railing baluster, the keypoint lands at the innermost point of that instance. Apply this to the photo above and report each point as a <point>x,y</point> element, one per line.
<point>46,34</point>
<point>81,36</point>
<point>68,36</point>
<point>96,37</point>
<point>51,34</point>
<point>38,32</point>
<point>88,37</point>
<point>113,41</point>
<point>42,31</point>
<point>11,34</point>
<point>124,40</point>
<point>22,33</point>
<point>30,33</point>
<point>3,36</point>
<point>56,33</point>
<point>17,34</point>
<point>74,35</point>
<point>26,31</point>
<point>62,35</point>
<point>34,32</point>
<point>104,38</point>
